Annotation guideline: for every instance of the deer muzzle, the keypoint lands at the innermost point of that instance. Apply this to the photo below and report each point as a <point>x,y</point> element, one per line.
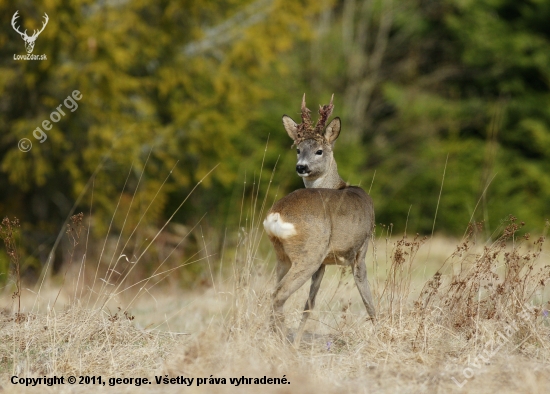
<point>302,170</point>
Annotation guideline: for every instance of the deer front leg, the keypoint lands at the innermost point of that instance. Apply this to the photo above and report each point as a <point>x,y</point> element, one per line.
<point>310,303</point>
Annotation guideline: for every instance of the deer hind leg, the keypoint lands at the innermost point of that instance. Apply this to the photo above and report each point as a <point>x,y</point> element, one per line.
<point>360,276</point>
<point>310,303</point>
<point>282,268</point>
<point>301,270</point>
<point>283,262</point>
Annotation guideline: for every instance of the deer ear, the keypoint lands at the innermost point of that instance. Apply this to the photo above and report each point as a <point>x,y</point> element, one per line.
<point>290,126</point>
<point>333,130</point>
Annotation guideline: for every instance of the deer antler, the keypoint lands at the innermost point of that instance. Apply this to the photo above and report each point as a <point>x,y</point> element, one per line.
<point>13,19</point>
<point>306,130</point>
<point>24,35</point>
<point>44,25</point>
<point>306,117</point>
<point>324,113</point>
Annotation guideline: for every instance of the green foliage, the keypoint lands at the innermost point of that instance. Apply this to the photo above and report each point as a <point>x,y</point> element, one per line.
<point>179,81</point>
<point>460,78</point>
<point>191,85</point>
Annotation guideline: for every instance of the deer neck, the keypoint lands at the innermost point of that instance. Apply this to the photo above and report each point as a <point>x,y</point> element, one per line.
<point>329,180</point>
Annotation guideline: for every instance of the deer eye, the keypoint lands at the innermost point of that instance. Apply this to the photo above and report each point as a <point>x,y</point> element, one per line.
<point>319,152</point>
<point>298,151</point>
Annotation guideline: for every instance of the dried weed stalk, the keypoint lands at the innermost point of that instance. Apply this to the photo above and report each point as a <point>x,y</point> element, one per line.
<point>397,285</point>
<point>495,284</point>
<point>8,231</point>
<point>74,229</point>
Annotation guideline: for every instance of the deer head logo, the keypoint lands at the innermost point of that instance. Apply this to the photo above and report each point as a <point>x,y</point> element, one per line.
<point>29,41</point>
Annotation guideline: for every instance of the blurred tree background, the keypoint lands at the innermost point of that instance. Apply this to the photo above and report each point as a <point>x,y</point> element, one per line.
<point>423,87</point>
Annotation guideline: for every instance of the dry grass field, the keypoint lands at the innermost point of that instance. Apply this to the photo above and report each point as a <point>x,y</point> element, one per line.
<point>454,316</point>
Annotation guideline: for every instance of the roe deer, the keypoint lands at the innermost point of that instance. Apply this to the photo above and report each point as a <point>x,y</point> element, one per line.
<point>329,222</point>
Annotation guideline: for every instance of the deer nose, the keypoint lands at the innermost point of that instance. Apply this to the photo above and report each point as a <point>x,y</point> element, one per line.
<point>301,169</point>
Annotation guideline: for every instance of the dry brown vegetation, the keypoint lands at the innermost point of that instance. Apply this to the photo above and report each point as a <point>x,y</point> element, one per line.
<point>465,315</point>
<point>476,319</point>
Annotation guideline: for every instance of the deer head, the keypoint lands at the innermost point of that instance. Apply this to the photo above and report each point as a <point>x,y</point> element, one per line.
<point>29,41</point>
<point>314,146</point>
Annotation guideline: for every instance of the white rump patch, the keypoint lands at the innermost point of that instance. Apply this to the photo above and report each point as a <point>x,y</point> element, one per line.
<point>275,226</point>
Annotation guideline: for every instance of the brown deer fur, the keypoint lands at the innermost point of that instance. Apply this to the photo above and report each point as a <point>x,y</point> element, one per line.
<point>316,226</point>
